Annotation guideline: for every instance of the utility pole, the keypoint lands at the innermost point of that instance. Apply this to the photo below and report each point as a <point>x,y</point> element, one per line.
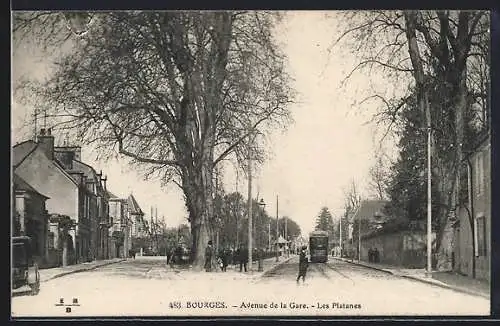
<point>250,242</point>
<point>152,230</point>
<point>156,231</point>
<point>217,212</point>
<point>269,235</point>
<point>340,235</point>
<point>429,190</point>
<point>286,235</point>
<point>277,230</point>
<point>359,238</point>
<point>237,211</point>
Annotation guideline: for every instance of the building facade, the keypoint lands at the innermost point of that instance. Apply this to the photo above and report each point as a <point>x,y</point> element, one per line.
<point>136,217</point>
<point>34,162</point>
<point>74,191</point>
<point>119,233</point>
<point>30,217</point>
<point>472,246</point>
<point>96,207</point>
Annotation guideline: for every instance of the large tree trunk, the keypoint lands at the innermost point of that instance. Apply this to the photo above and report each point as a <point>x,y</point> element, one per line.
<point>198,192</point>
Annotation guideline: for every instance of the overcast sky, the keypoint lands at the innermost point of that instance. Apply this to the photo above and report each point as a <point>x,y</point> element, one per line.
<point>328,145</point>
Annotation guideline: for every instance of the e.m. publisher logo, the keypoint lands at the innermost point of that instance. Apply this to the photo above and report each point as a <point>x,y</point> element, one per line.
<point>68,306</point>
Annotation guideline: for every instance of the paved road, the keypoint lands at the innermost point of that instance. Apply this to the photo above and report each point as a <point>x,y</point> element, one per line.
<point>148,287</point>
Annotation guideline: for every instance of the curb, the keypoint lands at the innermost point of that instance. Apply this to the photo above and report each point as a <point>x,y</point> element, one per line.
<point>434,283</point>
<point>366,266</point>
<point>272,269</point>
<point>81,270</point>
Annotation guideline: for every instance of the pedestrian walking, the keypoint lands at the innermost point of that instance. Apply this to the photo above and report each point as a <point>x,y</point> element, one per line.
<point>236,256</point>
<point>303,265</point>
<point>224,259</point>
<point>243,258</point>
<point>171,259</point>
<point>208,256</point>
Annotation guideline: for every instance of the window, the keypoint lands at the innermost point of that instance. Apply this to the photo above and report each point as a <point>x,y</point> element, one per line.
<point>480,235</point>
<point>479,173</point>
<point>51,240</point>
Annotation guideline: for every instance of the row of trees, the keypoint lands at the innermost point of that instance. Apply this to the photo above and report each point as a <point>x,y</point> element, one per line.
<point>162,239</point>
<point>445,57</point>
<point>177,93</point>
<point>231,211</point>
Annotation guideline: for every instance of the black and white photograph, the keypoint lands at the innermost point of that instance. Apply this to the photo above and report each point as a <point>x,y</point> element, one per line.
<point>248,163</point>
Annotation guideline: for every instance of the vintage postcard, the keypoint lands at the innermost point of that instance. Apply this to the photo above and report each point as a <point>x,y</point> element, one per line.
<point>250,163</point>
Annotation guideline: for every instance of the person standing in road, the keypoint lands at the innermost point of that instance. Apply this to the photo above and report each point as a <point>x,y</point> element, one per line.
<point>303,265</point>
<point>224,259</point>
<point>243,258</point>
<point>237,256</point>
<point>208,256</point>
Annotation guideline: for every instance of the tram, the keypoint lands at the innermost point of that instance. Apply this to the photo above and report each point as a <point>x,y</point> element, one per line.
<point>318,246</point>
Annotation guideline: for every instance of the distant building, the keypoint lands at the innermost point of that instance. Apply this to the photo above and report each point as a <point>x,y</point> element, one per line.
<point>118,212</point>
<point>136,216</point>
<point>367,217</point>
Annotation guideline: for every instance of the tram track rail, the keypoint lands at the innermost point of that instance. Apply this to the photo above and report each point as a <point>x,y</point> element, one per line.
<point>323,267</point>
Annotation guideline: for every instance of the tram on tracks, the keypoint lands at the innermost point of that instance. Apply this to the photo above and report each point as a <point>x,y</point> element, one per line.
<point>318,246</point>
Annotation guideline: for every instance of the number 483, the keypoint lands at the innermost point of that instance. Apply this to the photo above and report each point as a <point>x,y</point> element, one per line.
<point>175,305</point>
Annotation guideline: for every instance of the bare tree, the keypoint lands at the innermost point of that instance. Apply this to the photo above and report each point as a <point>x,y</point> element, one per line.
<point>379,178</point>
<point>352,198</point>
<point>175,92</point>
<point>434,48</point>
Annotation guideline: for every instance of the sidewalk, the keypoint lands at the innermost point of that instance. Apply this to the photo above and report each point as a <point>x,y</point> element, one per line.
<point>52,273</point>
<point>448,280</point>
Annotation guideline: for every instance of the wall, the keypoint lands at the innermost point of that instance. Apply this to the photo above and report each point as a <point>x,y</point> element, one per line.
<point>402,248</point>
<point>43,175</point>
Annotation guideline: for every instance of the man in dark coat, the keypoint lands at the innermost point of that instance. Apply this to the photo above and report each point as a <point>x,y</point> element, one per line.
<point>243,258</point>
<point>224,259</point>
<point>303,265</point>
<point>208,256</point>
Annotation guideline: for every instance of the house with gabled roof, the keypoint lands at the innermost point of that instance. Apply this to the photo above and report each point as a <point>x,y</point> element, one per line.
<point>97,206</point>
<point>120,225</point>
<point>34,162</point>
<point>136,216</point>
<point>369,215</point>
<point>73,188</point>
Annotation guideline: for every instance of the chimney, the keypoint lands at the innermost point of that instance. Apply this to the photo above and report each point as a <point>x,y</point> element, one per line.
<point>78,153</point>
<point>46,142</point>
<point>104,181</point>
<point>68,160</point>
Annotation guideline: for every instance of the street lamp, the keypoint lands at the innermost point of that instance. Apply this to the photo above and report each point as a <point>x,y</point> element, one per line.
<point>262,205</point>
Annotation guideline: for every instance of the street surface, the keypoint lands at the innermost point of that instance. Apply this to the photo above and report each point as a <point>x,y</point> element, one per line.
<point>147,287</point>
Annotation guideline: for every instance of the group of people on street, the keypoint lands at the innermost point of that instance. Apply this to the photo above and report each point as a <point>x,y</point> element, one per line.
<point>373,255</point>
<point>241,257</point>
<point>225,257</point>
